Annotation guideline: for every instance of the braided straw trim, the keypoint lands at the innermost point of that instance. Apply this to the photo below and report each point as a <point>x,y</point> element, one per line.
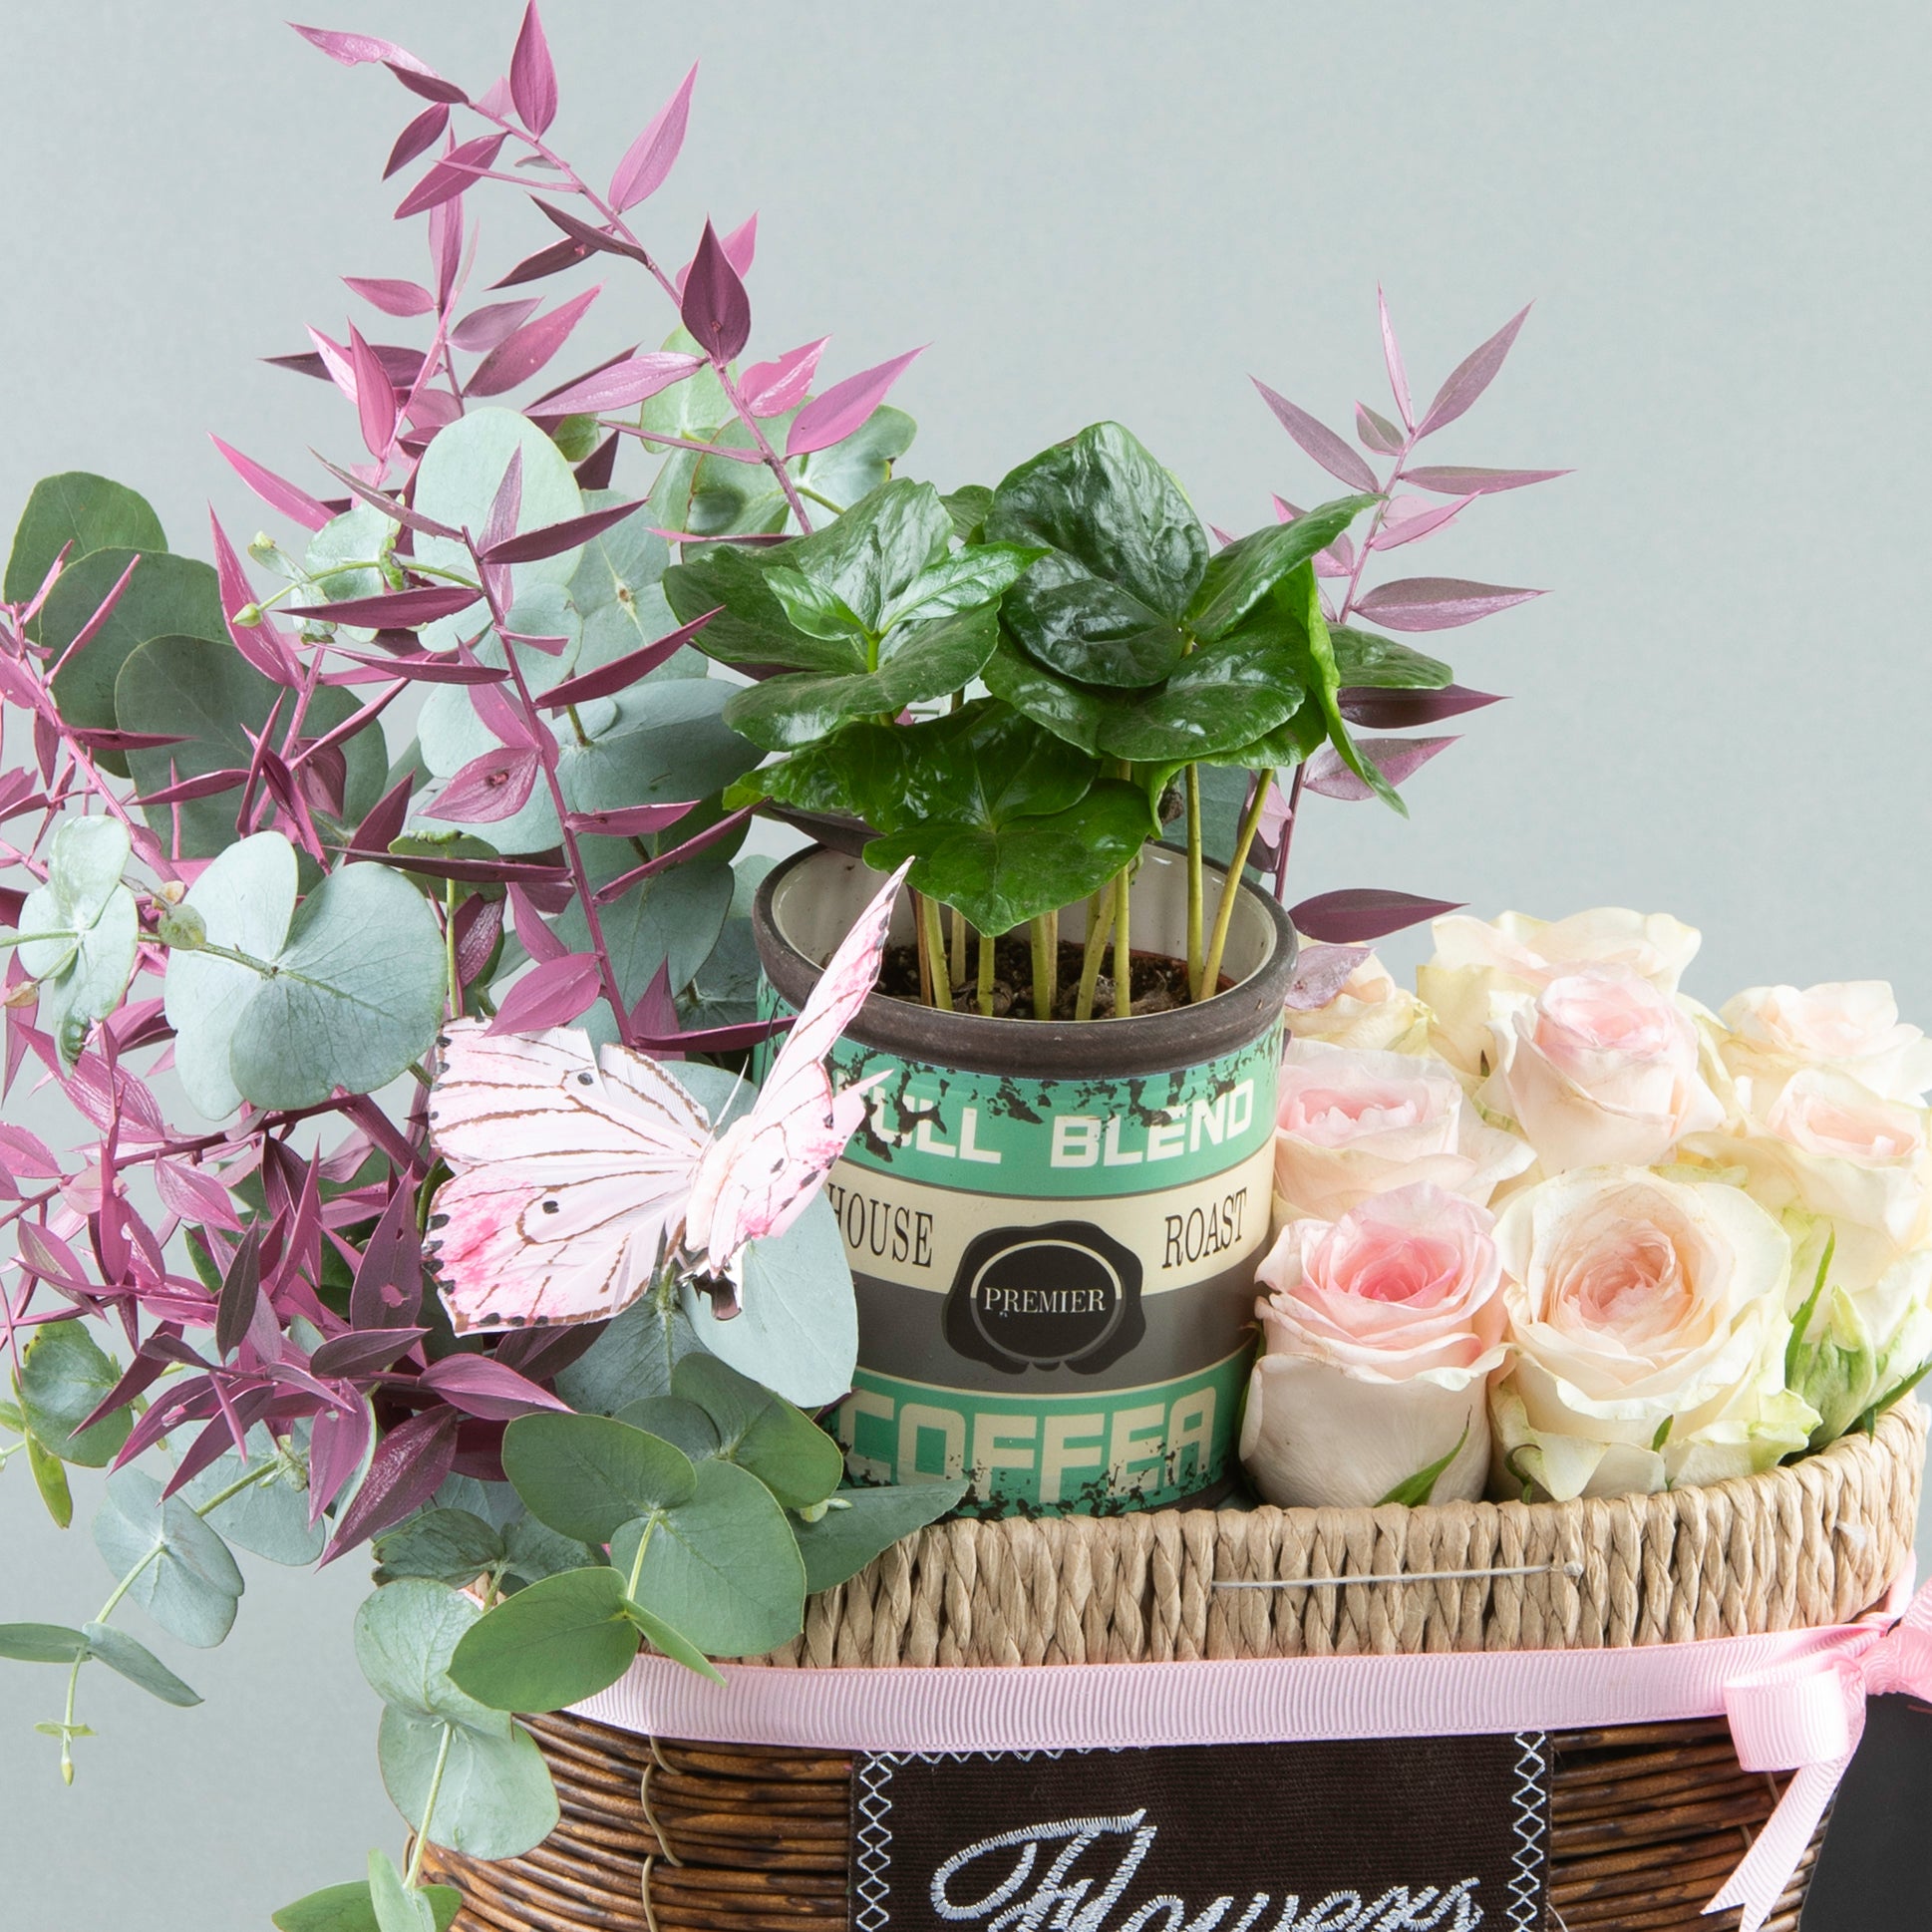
<point>1813,1543</point>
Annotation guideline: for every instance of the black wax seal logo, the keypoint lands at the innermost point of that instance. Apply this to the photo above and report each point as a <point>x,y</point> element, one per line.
<point>1066,1294</point>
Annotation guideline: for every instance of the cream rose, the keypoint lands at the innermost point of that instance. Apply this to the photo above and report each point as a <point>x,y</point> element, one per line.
<point>1369,1012</point>
<point>1351,1124</point>
<point>1379,1332</point>
<point>1475,960</point>
<point>1851,1026</point>
<point>1648,1322</point>
<point>1600,1068</point>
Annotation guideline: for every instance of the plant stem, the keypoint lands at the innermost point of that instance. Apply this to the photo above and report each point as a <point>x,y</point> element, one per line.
<point>449,948</point>
<point>959,947</point>
<point>1288,832</point>
<point>986,962</point>
<point>934,936</point>
<point>1195,895</point>
<point>429,1809</point>
<point>1230,890</point>
<point>1123,945</point>
<point>1046,965</point>
<point>637,1563</point>
<point>926,952</point>
<point>1100,922</point>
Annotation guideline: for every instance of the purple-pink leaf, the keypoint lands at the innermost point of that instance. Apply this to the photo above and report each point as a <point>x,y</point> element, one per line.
<point>771,388</point>
<point>353,49</point>
<point>504,507</point>
<point>716,310</point>
<point>451,175</point>
<point>404,365</point>
<point>550,995</point>
<point>629,821</point>
<point>481,329</point>
<point>1375,431</point>
<point>260,644</point>
<point>204,787</point>
<point>426,667</point>
<point>446,246</point>
<point>552,260</point>
<point>532,75</point>
<point>393,298</point>
<point>525,351</point>
<point>1470,377</point>
<point>432,86</point>
<point>376,399</point>
<point>104,738</point>
<point>363,1351</point>
<point>832,416</point>
<point>723,828</point>
<point>395,512</point>
<point>554,539</point>
<point>481,1387</point>
<point>1437,603</point>
<point>598,241</point>
<point>297,504</point>
<point>1448,479</point>
<point>1319,442</point>
<point>728,1038</point>
<point>1397,759</point>
<point>336,1451</point>
<point>1409,519</point>
<point>388,1288</point>
<point>648,160</point>
<point>496,786</point>
<point>1320,973</point>
<point>94,625</point>
<point>478,927</point>
<point>395,609</point>
<point>624,384</point>
<point>533,933</point>
<point>1381,710</point>
<point>1349,918</point>
<point>407,1469</point>
<point>1392,357</point>
<point>741,250</point>
<point>621,673</point>
<point>418,138</point>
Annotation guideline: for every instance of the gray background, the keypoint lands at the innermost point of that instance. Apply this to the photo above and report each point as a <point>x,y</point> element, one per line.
<point>1089,212</point>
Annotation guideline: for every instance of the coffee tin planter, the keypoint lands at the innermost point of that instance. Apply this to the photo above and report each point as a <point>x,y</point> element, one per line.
<point>1053,1226</point>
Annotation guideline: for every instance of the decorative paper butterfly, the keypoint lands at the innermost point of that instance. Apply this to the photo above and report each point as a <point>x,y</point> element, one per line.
<point>576,1172</point>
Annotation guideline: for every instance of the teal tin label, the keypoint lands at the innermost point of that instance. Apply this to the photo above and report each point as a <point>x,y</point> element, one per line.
<point>1054,1278</point>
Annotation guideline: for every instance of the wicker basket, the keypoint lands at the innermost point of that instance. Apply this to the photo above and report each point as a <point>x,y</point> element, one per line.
<point>660,1835</point>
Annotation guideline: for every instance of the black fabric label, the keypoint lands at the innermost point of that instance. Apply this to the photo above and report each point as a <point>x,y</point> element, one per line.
<point>1874,1868</point>
<point>1409,1834</point>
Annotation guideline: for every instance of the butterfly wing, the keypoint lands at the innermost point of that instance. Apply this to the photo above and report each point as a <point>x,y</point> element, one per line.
<point>569,1172</point>
<point>759,1176</point>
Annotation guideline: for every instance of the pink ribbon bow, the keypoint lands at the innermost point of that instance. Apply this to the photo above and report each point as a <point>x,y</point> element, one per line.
<point>1807,1718</point>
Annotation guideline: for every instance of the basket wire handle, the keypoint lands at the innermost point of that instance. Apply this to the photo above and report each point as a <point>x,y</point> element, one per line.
<point>1396,1576</point>
<point>644,1798</point>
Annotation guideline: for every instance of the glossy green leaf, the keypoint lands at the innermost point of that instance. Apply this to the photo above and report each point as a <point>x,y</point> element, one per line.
<point>982,764</point>
<point>798,1330</point>
<point>812,608</point>
<point>138,1665</point>
<point>1365,658</point>
<point>858,760</point>
<point>190,1585</point>
<point>396,1907</point>
<point>495,1800</point>
<point>78,512</point>
<point>967,580</point>
<point>723,1568</point>
<point>967,507</point>
<point>762,1433</point>
<point>1224,695</point>
<point>167,597</point>
<point>917,663</point>
<point>210,698</point>
<point>1240,574</point>
<point>41,1643</point>
<point>406,1633</point>
<point>1129,553</point>
<point>63,1375</point>
<point>863,1523</point>
<point>1074,712</point>
<point>586,1475</point>
<point>556,1643</point>
<point>347,1908</point>
<point>451,1545</point>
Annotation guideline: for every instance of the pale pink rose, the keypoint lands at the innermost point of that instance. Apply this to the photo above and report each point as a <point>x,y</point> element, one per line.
<point>1379,1332</point>
<point>1851,1026</point>
<point>1352,1125</point>
<point>1648,1322</point>
<point>1369,1012</point>
<point>1823,1144</point>
<point>1477,961</point>
<point>1601,1068</point>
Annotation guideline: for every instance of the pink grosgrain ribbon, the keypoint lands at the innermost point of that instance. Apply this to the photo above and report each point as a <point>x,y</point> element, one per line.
<point>1795,1699</point>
